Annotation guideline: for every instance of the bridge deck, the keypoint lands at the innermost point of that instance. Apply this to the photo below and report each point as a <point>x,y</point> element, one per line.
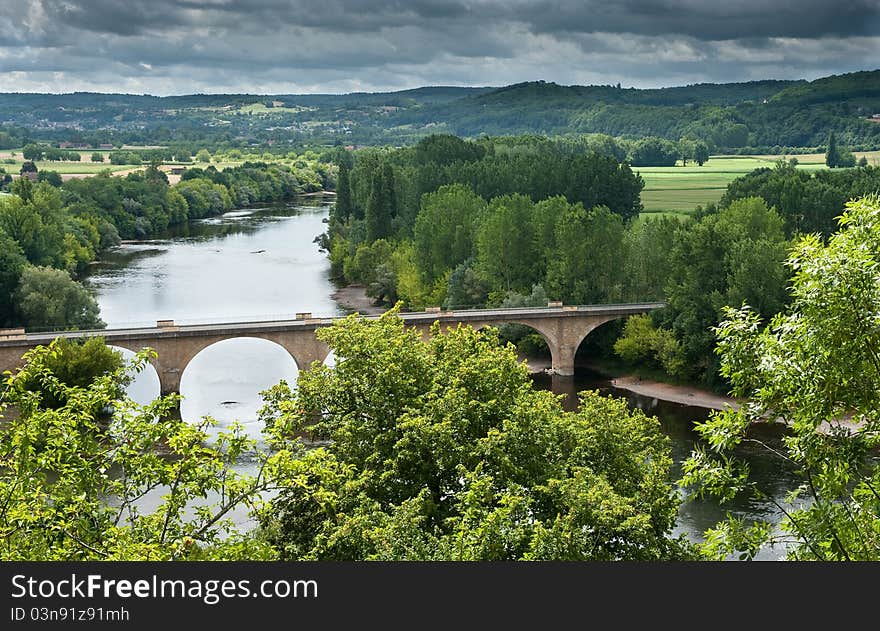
<point>420,317</point>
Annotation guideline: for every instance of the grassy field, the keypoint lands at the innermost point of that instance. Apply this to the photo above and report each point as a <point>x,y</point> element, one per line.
<point>84,167</point>
<point>680,189</point>
<point>260,108</point>
<point>11,161</point>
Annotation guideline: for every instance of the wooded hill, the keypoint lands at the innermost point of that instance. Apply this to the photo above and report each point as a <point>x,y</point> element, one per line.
<point>756,116</point>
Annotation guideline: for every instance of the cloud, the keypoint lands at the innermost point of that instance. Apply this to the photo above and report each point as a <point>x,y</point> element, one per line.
<point>185,46</point>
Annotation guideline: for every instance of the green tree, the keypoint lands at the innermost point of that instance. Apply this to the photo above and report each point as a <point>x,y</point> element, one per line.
<point>508,255</point>
<point>701,152</point>
<point>837,156</point>
<point>808,202</point>
<point>814,370</point>
<point>445,149</point>
<point>647,257</point>
<point>382,205</point>
<point>361,268</point>
<point>687,148</point>
<point>652,151</point>
<point>587,266</point>
<point>74,364</point>
<point>97,157</point>
<point>832,155</point>
<point>48,298</point>
<point>644,344</point>
<point>444,450</point>
<point>203,155</point>
<point>51,177</point>
<point>71,477</point>
<point>32,152</point>
<point>12,263</point>
<point>445,229</point>
<point>466,288</point>
<point>34,218</point>
<point>721,259</point>
<point>342,208</point>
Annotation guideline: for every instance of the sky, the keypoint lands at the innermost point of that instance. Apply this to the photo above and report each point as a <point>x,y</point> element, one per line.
<point>167,47</point>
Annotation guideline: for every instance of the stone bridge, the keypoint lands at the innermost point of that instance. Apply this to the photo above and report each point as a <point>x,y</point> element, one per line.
<point>563,327</point>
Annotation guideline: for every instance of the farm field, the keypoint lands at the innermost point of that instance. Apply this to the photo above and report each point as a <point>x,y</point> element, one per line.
<point>84,167</point>
<point>668,190</point>
<point>11,161</point>
<point>680,189</point>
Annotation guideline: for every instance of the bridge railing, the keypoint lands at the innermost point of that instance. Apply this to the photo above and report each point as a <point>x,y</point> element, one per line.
<point>290,317</point>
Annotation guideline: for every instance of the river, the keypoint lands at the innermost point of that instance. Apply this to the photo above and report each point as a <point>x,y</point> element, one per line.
<point>263,264</point>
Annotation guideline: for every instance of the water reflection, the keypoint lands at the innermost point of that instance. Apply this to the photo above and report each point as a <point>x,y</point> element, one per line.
<point>243,265</point>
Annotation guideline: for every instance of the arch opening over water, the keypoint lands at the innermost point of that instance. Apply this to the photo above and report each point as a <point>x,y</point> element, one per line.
<point>145,387</point>
<point>224,381</point>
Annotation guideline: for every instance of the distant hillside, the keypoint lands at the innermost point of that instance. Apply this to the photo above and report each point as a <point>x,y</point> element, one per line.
<point>756,115</point>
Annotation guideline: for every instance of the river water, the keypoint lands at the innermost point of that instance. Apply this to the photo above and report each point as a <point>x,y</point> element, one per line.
<point>259,264</point>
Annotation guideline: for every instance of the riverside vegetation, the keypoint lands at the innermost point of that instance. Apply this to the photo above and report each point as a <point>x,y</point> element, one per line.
<point>444,449</point>
<point>518,221</point>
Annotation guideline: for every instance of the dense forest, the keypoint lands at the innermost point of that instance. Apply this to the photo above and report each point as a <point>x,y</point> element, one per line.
<point>751,117</point>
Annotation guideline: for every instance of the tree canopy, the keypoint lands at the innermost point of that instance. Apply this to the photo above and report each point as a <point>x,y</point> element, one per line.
<point>814,369</point>
<point>444,450</point>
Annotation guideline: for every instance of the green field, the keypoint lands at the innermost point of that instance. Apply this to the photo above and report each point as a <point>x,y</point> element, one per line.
<point>260,108</point>
<point>681,189</point>
<point>668,190</point>
<point>83,167</point>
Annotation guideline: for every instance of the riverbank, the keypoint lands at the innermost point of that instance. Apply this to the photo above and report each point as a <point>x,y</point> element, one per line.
<point>702,398</point>
<point>686,395</point>
<point>355,298</point>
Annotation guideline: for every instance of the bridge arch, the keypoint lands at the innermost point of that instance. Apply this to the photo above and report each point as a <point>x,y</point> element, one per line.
<point>601,336</point>
<point>517,336</point>
<point>563,335</point>
<point>145,386</point>
<point>564,327</point>
<point>224,380</point>
<point>569,338</point>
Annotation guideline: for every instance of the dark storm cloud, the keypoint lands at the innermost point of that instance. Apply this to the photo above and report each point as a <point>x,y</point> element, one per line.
<point>695,18</point>
<point>706,20</point>
<point>174,46</point>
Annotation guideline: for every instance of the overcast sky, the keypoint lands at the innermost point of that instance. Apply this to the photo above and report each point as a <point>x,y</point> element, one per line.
<point>305,46</point>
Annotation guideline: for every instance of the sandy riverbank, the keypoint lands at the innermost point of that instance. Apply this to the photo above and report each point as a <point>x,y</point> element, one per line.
<point>702,398</point>
<point>355,298</point>
<point>676,394</point>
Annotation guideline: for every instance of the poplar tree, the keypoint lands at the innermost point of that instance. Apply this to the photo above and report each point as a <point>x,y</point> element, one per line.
<point>831,155</point>
<point>381,205</point>
<point>342,210</point>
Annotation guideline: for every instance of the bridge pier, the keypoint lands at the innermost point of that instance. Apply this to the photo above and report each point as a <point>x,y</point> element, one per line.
<point>563,359</point>
<point>564,337</point>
